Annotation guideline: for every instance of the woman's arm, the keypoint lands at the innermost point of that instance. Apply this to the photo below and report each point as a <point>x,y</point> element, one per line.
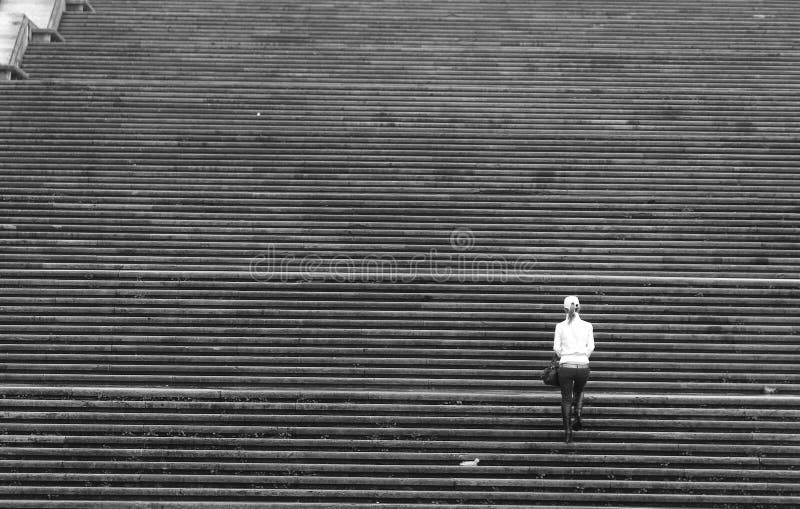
<point>557,341</point>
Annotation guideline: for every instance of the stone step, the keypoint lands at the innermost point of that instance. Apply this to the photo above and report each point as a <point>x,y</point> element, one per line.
<point>559,493</point>
<point>601,420</point>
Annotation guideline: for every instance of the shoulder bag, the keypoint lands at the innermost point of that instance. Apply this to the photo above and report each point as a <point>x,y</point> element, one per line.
<point>550,373</point>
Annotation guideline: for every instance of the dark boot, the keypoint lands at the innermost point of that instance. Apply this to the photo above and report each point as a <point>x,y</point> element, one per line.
<point>577,409</point>
<point>566,416</point>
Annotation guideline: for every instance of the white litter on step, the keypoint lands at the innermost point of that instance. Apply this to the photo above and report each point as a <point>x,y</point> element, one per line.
<point>473,463</point>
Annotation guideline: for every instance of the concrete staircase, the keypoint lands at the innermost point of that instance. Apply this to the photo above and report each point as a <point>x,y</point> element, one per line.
<point>312,254</point>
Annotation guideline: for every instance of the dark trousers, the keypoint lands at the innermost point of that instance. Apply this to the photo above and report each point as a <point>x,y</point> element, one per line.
<point>572,381</point>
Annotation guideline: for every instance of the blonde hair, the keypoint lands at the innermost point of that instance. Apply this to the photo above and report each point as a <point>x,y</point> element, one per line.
<point>571,306</point>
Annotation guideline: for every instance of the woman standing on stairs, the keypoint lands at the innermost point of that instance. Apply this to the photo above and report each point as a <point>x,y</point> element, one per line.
<point>574,343</point>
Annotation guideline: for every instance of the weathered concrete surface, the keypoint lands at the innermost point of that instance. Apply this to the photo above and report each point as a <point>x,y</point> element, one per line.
<point>11,19</point>
<point>38,11</point>
<point>9,28</point>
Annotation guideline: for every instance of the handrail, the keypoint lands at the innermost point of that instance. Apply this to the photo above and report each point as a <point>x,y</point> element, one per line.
<point>23,38</point>
<point>59,6</point>
<point>28,30</point>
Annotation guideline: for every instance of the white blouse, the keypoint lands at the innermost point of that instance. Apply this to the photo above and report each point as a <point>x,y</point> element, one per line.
<point>574,342</point>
